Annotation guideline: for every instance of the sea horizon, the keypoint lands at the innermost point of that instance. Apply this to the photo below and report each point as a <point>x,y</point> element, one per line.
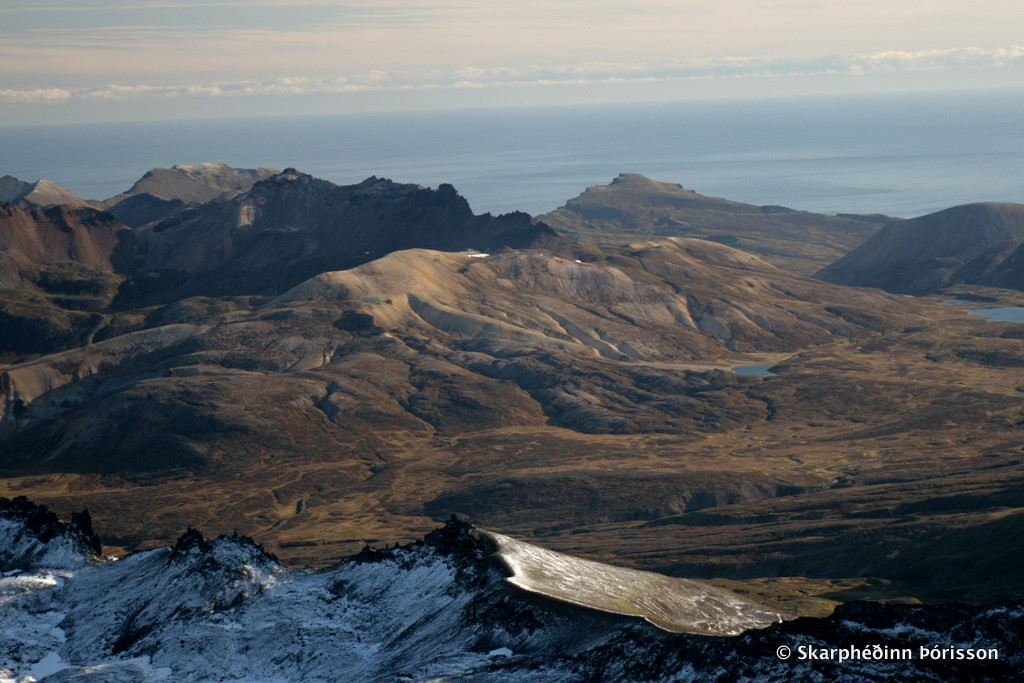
<point>895,154</point>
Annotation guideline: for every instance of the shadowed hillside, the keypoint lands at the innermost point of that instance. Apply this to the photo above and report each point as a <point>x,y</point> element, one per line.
<point>57,270</point>
<point>976,244</point>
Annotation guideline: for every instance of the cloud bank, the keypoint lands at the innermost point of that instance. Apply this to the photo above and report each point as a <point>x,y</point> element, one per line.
<point>717,68</point>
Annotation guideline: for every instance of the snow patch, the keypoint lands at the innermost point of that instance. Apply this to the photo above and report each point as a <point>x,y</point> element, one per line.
<point>676,605</point>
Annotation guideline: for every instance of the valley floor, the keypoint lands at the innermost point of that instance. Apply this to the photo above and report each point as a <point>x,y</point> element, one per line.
<point>888,468</point>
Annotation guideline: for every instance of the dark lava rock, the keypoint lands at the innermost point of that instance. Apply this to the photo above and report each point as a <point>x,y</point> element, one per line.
<point>43,524</point>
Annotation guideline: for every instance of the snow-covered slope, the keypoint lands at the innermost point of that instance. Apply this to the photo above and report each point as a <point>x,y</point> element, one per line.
<point>676,605</point>
<point>437,610</point>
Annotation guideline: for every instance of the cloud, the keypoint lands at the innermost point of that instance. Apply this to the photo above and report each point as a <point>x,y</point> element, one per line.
<point>898,60</point>
<point>123,5</point>
<point>38,95</point>
<point>596,72</point>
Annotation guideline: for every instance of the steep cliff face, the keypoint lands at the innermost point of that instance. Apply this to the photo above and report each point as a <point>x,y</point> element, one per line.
<point>293,226</point>
<point>978,244</point>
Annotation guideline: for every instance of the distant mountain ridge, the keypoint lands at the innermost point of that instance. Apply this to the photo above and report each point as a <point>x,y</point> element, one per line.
<point>635,207</point>
<point>199,182</point>
<point>38,195</point>
<point>62,268</point>
<point>162,192</point>
<point>292,226</point>
<point>977,244</point>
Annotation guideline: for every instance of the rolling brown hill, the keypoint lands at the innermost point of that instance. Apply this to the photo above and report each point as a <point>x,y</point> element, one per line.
<point>471,341</point>
<point>60,234</point>
<point>976,244</point>
<point>634,207</point>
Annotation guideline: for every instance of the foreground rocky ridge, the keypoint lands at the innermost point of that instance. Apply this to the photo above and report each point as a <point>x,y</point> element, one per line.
<point>224,609</point>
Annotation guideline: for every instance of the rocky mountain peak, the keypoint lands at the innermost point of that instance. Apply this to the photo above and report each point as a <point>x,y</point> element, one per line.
<point>12,189</point>
<point>37,195</point>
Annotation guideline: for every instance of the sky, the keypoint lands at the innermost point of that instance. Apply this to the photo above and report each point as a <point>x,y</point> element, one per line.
<point>108,60</point>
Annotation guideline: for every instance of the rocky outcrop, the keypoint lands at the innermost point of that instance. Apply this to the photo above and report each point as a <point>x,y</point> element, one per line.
<point>32,536</point>
<point>977,244</point>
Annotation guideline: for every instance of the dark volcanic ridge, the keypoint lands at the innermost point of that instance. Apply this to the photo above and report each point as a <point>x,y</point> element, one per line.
<point>293,226</point>
<point>223,608</point>
<point>973,244</point>
<point>254,230</point>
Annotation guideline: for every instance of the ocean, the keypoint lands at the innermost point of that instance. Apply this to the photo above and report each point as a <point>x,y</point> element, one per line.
<point>900,155</point>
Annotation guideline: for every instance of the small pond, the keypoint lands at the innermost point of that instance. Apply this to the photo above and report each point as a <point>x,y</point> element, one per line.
<point>753,370</point>
<point>1009,314</point>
